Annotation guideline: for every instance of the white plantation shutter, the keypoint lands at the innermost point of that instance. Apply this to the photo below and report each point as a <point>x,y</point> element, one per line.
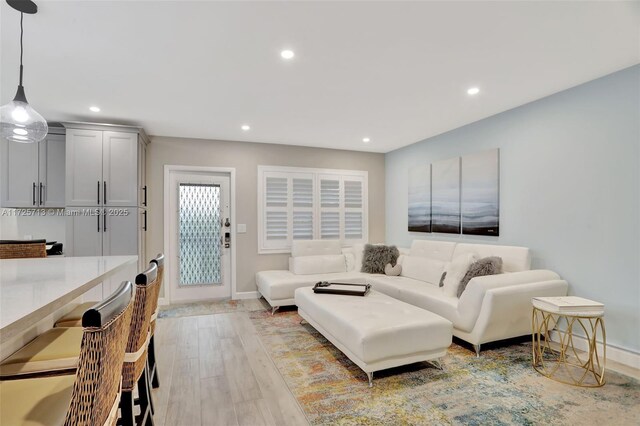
<point>353,208</point>
<point>302,197</point>
<point>276,217</point>
<point>304,204</point>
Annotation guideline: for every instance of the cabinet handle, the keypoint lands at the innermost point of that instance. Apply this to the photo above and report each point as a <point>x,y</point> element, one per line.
<point>145,221</point>
<point>104,195</point>
<point>104,221</point>
<point>98,216</point>
<point>33,193</point>
<point>98,194</point>
<point>41,198</point>
<point>144,203</point>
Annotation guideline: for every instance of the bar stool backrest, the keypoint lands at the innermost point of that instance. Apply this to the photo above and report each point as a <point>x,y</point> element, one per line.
<point>136,356</point>
<point>159,261</point>
<point>96,391</point>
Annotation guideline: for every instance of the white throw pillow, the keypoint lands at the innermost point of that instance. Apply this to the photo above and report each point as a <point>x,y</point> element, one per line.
<point>358,251</point>
<point>351,261</point>
<point>456,272</point>
<point>422,268</point>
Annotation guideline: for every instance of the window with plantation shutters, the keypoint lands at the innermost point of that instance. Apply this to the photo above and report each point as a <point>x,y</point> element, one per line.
<point>305,204</point>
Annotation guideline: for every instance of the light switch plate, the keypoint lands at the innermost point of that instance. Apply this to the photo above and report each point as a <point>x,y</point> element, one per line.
<point>241,228</point>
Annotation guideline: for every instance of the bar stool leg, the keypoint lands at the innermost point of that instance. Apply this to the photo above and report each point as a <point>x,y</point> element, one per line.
<point>127,417</point>
<point>144,395</point>
<point>155,383</point>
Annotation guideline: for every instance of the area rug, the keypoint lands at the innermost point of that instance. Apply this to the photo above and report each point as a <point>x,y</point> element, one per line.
<point>211,307</point>
<point>499,388</point>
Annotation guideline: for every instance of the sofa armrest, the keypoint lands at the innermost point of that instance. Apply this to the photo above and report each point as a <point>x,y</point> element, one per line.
<point>506,311</point>
<point>472,298</point>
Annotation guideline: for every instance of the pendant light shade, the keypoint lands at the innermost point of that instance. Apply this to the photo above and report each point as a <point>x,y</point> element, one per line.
<point>19,122</point>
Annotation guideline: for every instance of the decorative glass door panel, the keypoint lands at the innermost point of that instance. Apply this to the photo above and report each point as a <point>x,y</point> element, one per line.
<point>199,234</point>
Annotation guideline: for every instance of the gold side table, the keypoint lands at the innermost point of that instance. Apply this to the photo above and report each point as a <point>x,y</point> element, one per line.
<point>566,364</point>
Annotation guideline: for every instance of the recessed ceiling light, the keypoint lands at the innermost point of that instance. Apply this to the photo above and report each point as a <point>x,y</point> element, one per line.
<point>473,91</point>
<point>366,140</point>
<point>94,109</point>
<point>245,127</point>
<point>287,54</point>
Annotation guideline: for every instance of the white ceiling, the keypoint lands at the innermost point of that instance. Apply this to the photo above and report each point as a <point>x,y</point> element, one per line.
<point>394,72</point>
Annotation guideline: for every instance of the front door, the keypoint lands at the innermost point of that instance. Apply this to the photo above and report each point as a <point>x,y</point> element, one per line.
<point>200,237</point>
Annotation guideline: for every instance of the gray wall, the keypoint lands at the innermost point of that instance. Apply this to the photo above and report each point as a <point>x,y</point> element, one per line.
<point>246,157</point>
<point>570,189</point>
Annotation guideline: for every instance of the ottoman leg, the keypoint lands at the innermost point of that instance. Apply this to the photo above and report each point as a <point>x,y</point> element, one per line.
<point>370,377</point>
<point>274,309</point>
<point>436,363</point>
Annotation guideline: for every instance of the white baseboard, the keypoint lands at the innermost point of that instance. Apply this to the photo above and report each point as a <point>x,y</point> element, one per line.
<point>615,353</point>
<point>246,295</point>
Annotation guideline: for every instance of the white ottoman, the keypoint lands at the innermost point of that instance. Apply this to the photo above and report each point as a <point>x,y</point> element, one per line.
<point>376,331</point>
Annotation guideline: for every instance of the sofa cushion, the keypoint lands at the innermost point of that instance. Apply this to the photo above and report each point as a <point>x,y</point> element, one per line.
<point>358,251</point>
<point>514,259</point>
<point>315,247</point>
<point>456,272</point>
<point>390,285</point>
<point>431,298</point>
<point>438,250</point>
<point>320,264</point>
<point>422,268</point>
<point>280,285</point>
<point>350,260</point>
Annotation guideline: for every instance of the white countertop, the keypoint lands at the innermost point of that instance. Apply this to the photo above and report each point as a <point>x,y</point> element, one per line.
<point>32,289</point>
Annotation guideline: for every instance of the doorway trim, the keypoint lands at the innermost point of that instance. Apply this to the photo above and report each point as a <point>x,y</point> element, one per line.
<point>231,171</point>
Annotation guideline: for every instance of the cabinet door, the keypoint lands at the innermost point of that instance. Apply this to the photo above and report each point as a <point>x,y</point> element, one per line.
<point>142,174</point>
<point>52,171</point>
<point>120,165</point>
<point>84,168</point>
<point>19,174</point>
<point>121,231</point>
<point>84,232</point>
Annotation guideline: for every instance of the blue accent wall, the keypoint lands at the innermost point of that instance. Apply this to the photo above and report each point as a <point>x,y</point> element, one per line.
<point>569,190</point>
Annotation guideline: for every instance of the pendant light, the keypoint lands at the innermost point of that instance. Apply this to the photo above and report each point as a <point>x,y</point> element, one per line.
<point>18,121</point>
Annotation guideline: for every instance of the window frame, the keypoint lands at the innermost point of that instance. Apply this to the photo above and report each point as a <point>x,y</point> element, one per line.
<point>266,247</point>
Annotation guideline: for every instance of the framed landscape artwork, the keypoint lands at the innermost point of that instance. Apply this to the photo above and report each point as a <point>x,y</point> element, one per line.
<point>481,193</point>
<point>420,199</point>
<point>445,196</point>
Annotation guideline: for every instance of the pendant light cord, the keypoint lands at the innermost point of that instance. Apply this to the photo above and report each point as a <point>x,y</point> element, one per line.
<point>21,48</point>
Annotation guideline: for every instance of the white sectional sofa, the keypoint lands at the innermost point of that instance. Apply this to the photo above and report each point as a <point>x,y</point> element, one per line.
<point>491,308</point>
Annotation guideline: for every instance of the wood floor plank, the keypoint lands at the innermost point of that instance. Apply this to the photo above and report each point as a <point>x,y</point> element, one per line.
<point>210,353</point>
<point>206,321</point>
<point>183,408</point>
<point>188,338</point>
<point>242,382</point>
<point>224,326</point>
<point>216,404</point>
<point>254,413</point>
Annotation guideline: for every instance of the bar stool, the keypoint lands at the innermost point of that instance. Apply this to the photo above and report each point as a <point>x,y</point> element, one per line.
<point>90,397</point>
<point>153,366</point>
<point>135,370</point>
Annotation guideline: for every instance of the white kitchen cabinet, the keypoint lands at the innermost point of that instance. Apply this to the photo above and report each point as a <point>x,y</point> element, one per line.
<point>105,231</point>
<point>104,165</point>
<point>51,191</point>
<point>33,174</point>
<point>84,167</point>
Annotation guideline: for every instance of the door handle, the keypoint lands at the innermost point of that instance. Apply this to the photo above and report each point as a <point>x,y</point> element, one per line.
<point>104,195</point>
<point>98,192</point>
<point>104,220</point>
<point>145,221</point>
<point>41,198</point>
<point>98,216</point>
<point>33,193</point>
<point>144,203</point>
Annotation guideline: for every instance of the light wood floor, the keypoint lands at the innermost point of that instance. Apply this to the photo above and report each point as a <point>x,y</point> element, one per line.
<point>215,371</point>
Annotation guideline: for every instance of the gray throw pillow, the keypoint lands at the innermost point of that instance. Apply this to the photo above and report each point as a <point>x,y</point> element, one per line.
<point>444,274</point>
<point>485,266</point>
<point>375,257</point>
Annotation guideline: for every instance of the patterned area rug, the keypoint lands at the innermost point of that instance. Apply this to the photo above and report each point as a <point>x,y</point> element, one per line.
<point>213,307</point>
<point>499,388</point>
